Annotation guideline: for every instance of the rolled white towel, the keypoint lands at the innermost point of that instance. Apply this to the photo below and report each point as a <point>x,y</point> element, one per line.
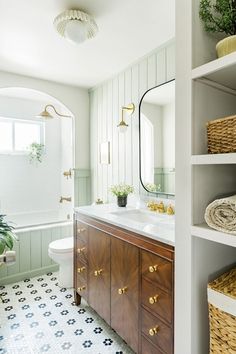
<point>221,215</point>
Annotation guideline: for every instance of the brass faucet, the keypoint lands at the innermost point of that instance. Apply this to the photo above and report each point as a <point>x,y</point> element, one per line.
<point>159,207</point>
<point>65,199</point>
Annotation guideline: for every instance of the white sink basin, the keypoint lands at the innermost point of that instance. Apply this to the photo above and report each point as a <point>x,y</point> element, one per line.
<point>144,217</point>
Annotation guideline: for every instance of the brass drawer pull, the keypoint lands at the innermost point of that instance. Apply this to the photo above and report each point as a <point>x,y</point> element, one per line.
<point>153,331</point>
<point>122,290</point>
<point>80,250</point>
<point>81,269</point>
<point>153,299</point>
<point>81,288</point>
<point>81,230</point>
<point>98,272</point>
<point>153,268</point>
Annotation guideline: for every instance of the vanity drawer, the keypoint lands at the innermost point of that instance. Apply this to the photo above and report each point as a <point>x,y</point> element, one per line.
<point>158,332</point>
<point>82,231</point>
<point>148,348</point>
<point>157,269</point>
<point>158,301</point>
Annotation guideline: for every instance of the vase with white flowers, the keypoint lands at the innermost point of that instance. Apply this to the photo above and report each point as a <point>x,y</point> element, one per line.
<point>121,191</point>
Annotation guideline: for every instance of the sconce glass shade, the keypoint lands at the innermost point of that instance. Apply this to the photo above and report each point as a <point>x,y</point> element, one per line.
<point>122,127</point>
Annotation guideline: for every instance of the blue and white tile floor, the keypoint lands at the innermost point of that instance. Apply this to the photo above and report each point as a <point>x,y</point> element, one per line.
<point>36,316</point>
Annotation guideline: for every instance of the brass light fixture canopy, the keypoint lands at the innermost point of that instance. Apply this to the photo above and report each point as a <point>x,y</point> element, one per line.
<point>47,115</point>
<point>129,109</point>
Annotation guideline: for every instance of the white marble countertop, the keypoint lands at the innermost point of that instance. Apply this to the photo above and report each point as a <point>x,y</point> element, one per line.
<point>160,227</point>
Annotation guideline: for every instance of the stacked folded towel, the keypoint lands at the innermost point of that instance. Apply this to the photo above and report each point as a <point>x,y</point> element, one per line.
<point>221,215</point>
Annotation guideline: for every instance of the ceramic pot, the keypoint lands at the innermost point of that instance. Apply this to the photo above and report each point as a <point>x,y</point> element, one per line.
<point>122,201</point>
<point>226,46</point>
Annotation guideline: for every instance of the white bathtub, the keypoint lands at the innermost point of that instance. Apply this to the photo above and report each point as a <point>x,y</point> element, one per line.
<point>38,219</point>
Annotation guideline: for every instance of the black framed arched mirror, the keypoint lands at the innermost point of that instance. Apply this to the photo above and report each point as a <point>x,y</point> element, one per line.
<point>157,139</point>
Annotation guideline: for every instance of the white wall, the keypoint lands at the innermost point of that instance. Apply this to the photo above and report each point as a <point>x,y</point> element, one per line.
<point>74,98</point>
<point>25,186</point>
<point>168,132</point>
<point>105,112</point>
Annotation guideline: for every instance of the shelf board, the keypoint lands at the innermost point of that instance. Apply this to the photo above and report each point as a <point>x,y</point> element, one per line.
<point>213,159</point>
<point>221,71</point>
<point>207,233</point>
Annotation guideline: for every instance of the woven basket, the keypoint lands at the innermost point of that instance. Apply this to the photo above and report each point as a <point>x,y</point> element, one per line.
<point>221,135</point>
<point>222,313</point>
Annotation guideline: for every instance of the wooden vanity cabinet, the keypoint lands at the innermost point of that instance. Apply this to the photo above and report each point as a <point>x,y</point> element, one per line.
<point>99,273</point>
<point>128,279</point>
<point>125,291</point>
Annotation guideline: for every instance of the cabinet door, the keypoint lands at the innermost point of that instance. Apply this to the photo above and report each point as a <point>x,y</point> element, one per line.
<point>99,273</point>
<point>124,291</point>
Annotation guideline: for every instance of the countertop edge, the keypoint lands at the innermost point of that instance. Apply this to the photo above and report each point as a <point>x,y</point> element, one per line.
<point>124,226</point>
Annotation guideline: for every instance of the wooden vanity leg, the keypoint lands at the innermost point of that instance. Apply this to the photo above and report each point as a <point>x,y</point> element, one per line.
<point>77,298</point>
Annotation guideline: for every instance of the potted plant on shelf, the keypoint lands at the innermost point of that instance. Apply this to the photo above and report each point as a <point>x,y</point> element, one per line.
<point>219,16</point>
<point>7,236</point>
<point>121,191</point>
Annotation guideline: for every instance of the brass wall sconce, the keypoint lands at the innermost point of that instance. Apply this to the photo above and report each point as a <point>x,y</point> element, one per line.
<point>47,115</point>
<point>129,109</point>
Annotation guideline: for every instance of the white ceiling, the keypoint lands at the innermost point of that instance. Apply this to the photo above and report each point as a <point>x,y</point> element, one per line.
<point>161,95</point>
<point>128,29</point>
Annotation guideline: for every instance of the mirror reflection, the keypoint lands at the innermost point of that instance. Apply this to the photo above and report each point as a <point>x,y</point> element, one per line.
<point>157,139</point>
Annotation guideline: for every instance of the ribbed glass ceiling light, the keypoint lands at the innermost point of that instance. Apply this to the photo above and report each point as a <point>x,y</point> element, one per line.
<point>76,26</point>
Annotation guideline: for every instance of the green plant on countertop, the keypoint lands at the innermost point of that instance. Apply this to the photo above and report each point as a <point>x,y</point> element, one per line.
<point>121,190</point>
<point>36,152</point>
<point>7,236</point>
<point>219,16</point>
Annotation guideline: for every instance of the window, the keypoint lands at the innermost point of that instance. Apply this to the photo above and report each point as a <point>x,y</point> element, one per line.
<point>16,135</point>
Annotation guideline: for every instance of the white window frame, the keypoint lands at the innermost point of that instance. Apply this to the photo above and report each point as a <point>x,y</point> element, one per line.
<point>16,120</point>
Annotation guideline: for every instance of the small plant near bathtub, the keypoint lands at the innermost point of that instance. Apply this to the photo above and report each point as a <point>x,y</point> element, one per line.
<point>219,16</point>
<point>121,191</point>
<point>7,236</point>
<point>36,152</point>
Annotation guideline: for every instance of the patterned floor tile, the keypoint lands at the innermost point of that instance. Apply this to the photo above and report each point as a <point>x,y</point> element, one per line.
<point>39,317</point>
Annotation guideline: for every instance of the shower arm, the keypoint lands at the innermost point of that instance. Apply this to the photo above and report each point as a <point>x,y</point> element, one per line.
<point>59,114</point>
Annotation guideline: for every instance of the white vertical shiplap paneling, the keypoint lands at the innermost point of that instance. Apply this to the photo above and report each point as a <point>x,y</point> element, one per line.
<point>115,141</point>
<point>135,127</point>
<point>106,102</point>
<point>170,62</point>
<point>121,137</point>
<point>161,67</point>
<point>128,134</point>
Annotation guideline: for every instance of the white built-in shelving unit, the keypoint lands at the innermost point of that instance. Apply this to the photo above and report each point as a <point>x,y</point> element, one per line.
<point>205,90</point>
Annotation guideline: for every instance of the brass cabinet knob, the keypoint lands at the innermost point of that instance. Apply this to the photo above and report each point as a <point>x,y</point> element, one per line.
<point>81,288</point>
<point>153,331</point>
<point>122,290</point>
<point>153,268</point>
<point>98,272</point>
<point>81,269</point>
<point>80,250</point>
<point>79,230</point>
<point>153,299</point>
